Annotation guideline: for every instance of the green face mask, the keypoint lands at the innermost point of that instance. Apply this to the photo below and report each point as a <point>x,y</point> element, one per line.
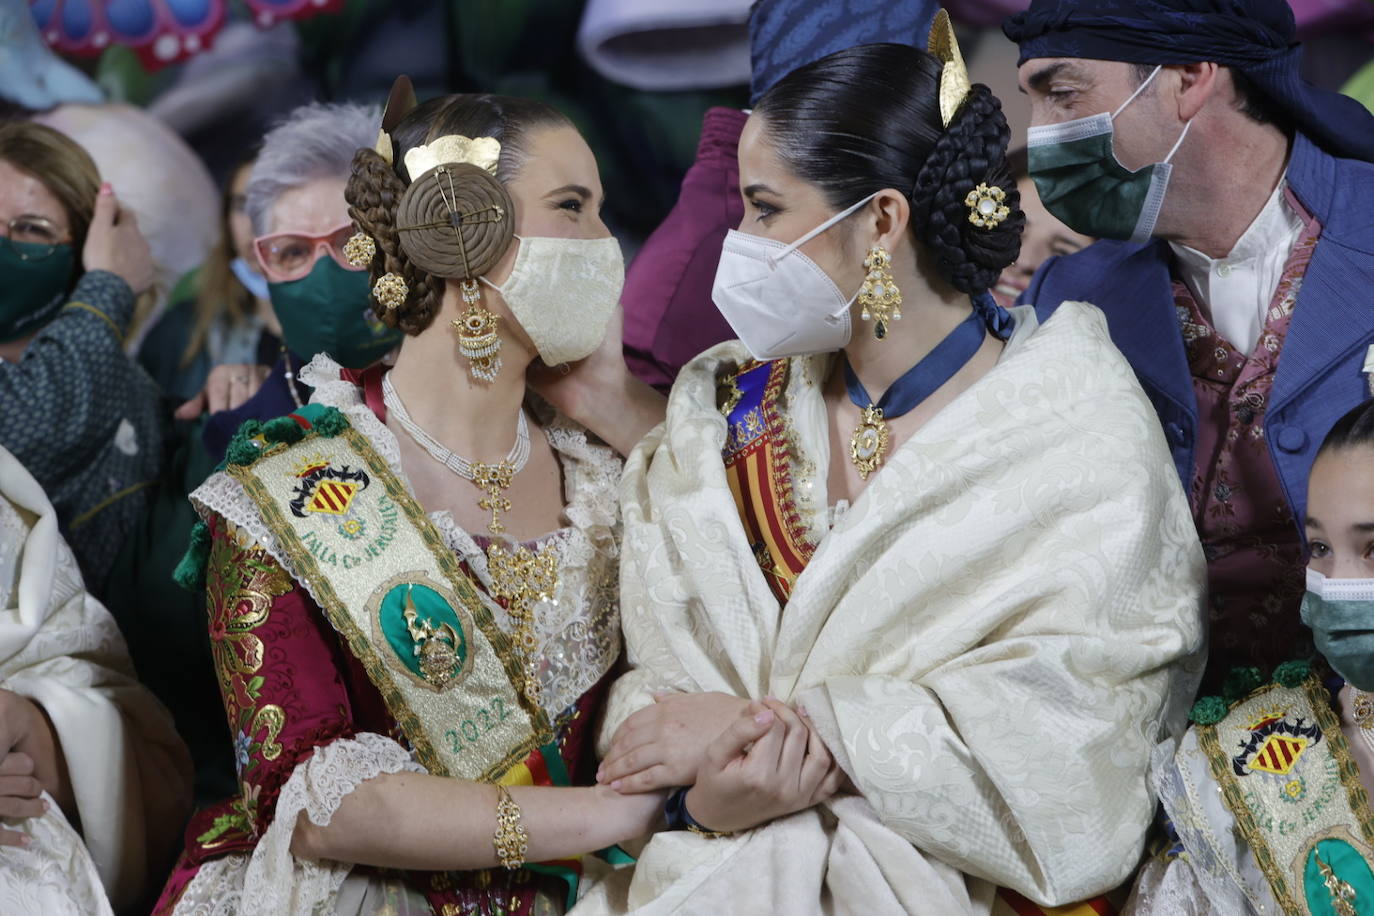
<point>1080,180</point>
<point>1341,615</point>
<point>34,287</point>
<point>329,310</point>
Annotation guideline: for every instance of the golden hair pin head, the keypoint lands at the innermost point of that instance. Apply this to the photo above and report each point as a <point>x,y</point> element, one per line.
<point>986,209</point>
<point>390,291</point>
<point>360,249</point>
<point>483,152</point>
<point>954,81</point>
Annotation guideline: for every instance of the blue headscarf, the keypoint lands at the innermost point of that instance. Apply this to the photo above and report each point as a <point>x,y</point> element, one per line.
<point>1256,37</point>
<point>787,34</point>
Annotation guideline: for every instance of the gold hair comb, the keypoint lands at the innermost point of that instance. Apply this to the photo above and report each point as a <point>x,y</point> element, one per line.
<point>482,152</point>
<point>399,103</point>
<point>954,81</point>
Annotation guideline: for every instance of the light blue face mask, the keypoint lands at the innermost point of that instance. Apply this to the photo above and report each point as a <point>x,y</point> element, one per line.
<point>1341,615</point>
<point>1080,180</point>
<point>254,282</point>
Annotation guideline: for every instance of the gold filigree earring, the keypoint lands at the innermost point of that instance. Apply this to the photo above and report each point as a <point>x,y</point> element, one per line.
<point>478,338</point>
<point>880,298</point>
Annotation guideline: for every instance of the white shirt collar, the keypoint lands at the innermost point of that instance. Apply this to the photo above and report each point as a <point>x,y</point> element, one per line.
<point>1235,291</point>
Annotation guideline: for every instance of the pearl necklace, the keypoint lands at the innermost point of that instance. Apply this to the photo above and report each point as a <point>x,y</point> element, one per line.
<point>493,479</point>
<point>523,578</point>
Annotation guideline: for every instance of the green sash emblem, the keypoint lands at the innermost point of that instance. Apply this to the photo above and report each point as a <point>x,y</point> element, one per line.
<point>426,634</point>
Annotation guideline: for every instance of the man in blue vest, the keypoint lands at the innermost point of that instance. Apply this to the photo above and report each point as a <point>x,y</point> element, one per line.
<point>1237,202</point>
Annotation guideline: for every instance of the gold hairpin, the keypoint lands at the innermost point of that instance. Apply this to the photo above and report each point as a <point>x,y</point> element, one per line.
<point>400,102</point>
<point>954,81</point>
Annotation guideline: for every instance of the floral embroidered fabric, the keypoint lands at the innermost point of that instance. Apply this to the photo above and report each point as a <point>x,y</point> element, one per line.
<point>1252,543</point>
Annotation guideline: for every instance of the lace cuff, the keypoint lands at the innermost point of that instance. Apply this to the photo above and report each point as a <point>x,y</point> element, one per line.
<point>272,880</point>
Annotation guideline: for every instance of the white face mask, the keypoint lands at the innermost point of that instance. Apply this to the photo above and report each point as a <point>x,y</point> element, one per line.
<point>778,301</point>
<point>563,292</point>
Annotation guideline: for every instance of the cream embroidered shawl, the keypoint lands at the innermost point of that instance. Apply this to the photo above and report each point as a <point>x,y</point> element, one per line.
<point>130,772</point>
<point>991,639</point>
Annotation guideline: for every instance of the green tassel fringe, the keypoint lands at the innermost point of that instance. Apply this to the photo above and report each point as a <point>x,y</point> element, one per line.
<point>1240,683</point>
<point>1209,710</point>
<point>330,422</point>
<point>283,429</point>
<point>242,449</point>
<point>1291,674</point>
<point>190,572</point>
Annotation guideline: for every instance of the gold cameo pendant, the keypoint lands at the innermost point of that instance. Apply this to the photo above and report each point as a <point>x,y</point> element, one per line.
<point>868,445</point>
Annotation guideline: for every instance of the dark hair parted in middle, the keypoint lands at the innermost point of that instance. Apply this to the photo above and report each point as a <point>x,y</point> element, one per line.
<point>375,188</point>
<point>868,118</point>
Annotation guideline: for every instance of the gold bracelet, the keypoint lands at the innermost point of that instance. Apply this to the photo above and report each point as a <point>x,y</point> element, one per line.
<point>511,840</point>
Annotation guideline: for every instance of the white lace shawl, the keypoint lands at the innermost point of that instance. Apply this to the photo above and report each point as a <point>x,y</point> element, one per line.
<point>578,640</point>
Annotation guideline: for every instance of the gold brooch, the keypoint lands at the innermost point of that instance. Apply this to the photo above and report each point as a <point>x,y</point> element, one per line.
<point>986,209</point>
<point>360,249</point>
<point>391,291</point>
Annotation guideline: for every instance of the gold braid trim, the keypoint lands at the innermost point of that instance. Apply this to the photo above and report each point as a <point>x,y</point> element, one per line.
<point>358,643</point>
<point>1326,718</point>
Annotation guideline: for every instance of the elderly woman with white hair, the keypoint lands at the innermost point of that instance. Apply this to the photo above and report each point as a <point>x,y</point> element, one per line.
<point>295,202</point>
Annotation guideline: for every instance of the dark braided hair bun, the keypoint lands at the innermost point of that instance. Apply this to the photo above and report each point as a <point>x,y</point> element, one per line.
<point>971,151</point>
<point>867,118</point>
<point>381,198</point>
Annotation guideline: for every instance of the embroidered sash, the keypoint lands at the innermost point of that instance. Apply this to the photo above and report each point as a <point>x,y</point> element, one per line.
<point>393,590</point>
<point>758,456</point>
<point>1287,776</point>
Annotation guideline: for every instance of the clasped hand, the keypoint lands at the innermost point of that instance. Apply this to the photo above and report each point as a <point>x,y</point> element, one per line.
<point>20,789</point>
<point>766,762</point>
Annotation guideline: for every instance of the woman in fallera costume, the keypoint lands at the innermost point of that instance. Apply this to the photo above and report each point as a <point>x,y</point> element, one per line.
<point>406,607</point>
<point>983,589</point>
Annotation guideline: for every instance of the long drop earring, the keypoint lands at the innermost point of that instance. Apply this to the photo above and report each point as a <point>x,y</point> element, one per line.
<point>479,341</point>
<point>879,296</point>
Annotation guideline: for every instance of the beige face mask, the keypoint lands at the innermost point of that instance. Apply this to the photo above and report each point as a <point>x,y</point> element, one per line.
<point>563,292</point>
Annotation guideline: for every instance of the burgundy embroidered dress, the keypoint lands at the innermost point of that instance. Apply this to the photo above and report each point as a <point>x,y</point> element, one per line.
<point>308,724</point>
<point>1253,546</point>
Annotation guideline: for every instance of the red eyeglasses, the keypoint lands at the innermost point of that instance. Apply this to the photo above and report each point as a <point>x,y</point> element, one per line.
<point>291,255</point>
